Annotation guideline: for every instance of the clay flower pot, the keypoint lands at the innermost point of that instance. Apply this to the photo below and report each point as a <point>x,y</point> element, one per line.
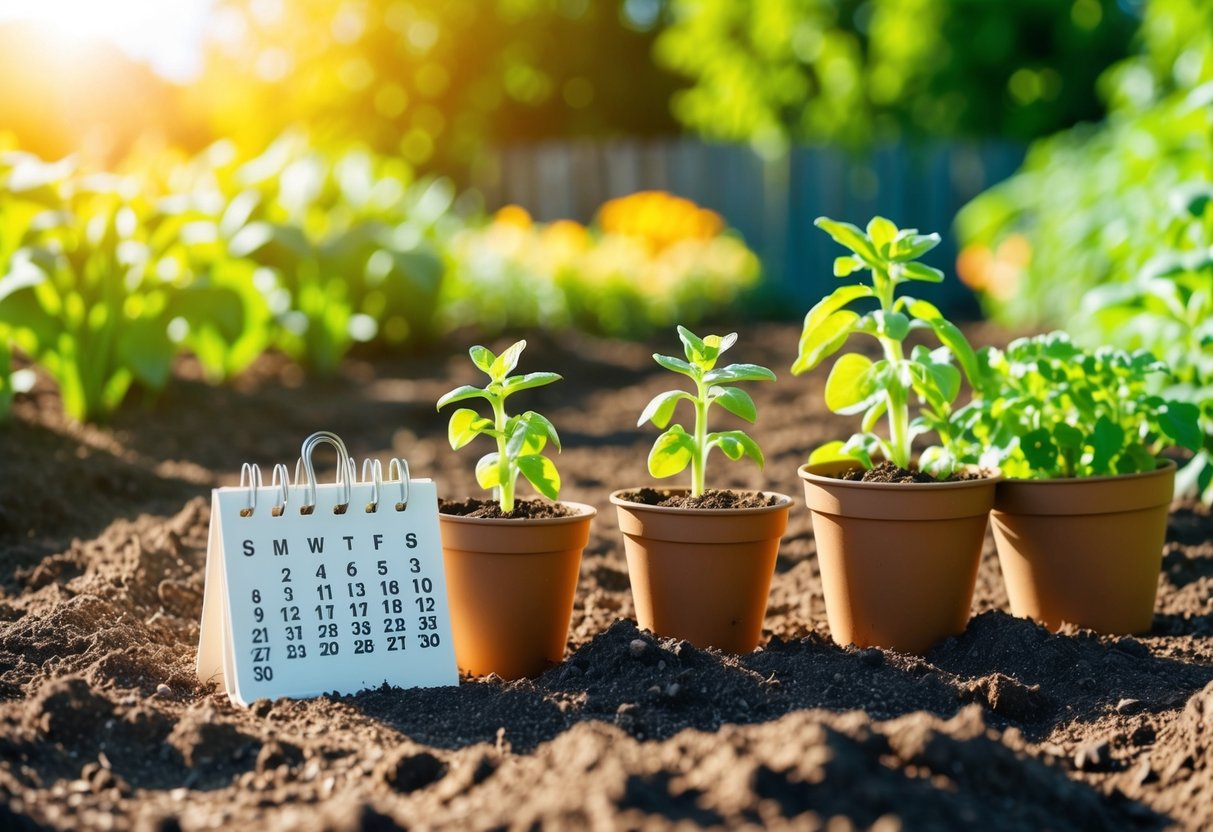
<point>1085,551</point>
<point>898,561</point>
<point>702,574</point>
<point>510,585</point>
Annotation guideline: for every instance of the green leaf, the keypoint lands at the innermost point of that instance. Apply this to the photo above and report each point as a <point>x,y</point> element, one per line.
<point>541,473</point>
<point>823,340</point>
<point>921,271</point>
<point>849,387</point>
<point>661,409</point>
<point>1180,421</point>
<point>894,324</point>
<point>950,336</point>
<point>881,232</point>
<point>831,303</point>
<point>735,400</point>
<point>540,425</point>
<point>145,348</point>
<point>692,345</point>
<point>482,357</point>
<point>465,425</point>
<point>465,391</point>
<point>839,452</point>
<point>530,380</point>
<point>671,453</point>
<point>720,342</point>
<point>676,364</point>
<point>846,265</point>
<point>488,474</point>
<point>739,372</point>
<point>505,363</point>
<point>1107,440</point>
<point>848,235</point>
<point>1039,450</point>
<point>735,444</point>
<point>912,246</point>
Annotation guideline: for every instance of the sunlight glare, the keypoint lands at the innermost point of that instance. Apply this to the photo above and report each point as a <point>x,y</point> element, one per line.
<point>165,33</point>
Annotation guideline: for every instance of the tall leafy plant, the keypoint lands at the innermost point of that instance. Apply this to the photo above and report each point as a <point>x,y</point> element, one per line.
<point>890,386</point>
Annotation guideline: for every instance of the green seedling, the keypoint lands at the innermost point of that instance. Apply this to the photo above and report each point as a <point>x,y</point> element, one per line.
<point>675,449</point>
<point>520,439</point>
<point>885,387</point>
<point>1046,408</point>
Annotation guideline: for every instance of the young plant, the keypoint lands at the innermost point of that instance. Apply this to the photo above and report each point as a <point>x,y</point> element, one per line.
<point>857,384</point>
<point>1046,408</point>
<point>520,439</point>
<point>675,449</point>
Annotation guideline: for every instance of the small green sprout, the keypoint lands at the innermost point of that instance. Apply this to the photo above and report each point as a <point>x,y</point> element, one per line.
<point>520,439</point>
<point>675,449</point>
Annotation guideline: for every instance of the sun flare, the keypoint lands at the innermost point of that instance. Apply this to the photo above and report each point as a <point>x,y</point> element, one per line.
<point>165,34</point>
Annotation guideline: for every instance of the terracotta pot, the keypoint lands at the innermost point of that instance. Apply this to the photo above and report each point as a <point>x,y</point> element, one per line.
<point>898,561</point>
<point>702,574</point>
<point>1085,551</point>
<point>511,584</point>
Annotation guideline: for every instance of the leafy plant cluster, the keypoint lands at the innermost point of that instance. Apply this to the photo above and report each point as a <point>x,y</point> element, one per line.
<point>105,278</point>
<point>1045,407</point>
<point>899,379</point>
<point>649,261</point>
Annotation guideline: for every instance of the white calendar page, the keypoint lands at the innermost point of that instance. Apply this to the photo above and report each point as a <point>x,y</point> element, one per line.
<point>299,605</point>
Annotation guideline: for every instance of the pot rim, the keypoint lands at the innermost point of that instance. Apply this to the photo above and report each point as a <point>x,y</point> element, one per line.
<point>990,475</point>
<point>1162,465</point>
<point>584,511</point>
<point>784,501</point>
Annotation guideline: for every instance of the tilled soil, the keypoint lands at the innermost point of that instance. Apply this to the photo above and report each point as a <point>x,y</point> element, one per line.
<point>103,540</point>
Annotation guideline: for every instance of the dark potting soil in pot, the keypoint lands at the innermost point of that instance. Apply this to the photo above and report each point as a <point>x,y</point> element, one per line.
<point>103,723</point>
<point>489,509</point>
<point>890,472</point>
<point>710,498</point>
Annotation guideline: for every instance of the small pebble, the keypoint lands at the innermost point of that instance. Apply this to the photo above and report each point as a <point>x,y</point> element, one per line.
<point>1129,706</point>
<point>1144,773</point>
<point>637,646</point>
<point>163,691</point>
<point>673,690</point>
<point>871,657</point>
<point>1094,756</point>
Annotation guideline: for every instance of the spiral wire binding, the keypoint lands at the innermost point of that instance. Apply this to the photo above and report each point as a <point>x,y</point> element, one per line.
<point>250,474</point>
<point>376,479</point>
<point>398,468</point>
<point>282,482</point>
<point>305,479</point>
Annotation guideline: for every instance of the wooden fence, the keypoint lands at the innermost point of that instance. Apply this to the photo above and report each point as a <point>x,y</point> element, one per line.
<point>772,203</point>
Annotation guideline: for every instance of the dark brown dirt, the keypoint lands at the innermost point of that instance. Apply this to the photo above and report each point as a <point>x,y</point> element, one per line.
<point>104,725</point>
<point>889,472</point>
<point>523,509</point>
<point>711,498</point>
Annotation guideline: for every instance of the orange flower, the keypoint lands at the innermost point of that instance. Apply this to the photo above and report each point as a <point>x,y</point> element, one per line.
<point>997,273</point>
<point>514,215</point>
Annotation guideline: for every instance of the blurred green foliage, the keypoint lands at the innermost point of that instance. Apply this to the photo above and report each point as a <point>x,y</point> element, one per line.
<point>850,71</point>
<point>1106,229</point>
<point>430,81</point>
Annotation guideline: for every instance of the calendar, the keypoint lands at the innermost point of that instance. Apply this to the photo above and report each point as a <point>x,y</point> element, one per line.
<point>325,588</point>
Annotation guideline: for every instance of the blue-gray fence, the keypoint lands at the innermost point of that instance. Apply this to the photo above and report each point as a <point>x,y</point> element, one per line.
<point>771,202</point>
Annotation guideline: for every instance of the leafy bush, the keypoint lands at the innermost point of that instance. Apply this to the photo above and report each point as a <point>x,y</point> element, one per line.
<point>650,260</point>
<point>1044,408</point>
<point>345,245</point>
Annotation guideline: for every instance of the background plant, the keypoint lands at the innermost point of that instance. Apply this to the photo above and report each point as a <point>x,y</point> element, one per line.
<point>1167,308</point>
<point>649,260</point>
<point>883,388</point>
<point>79,295</point>
<point>1046,408</point>
<point>1092,205</point>
<point>520,439</point>
<point>675,449</point>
